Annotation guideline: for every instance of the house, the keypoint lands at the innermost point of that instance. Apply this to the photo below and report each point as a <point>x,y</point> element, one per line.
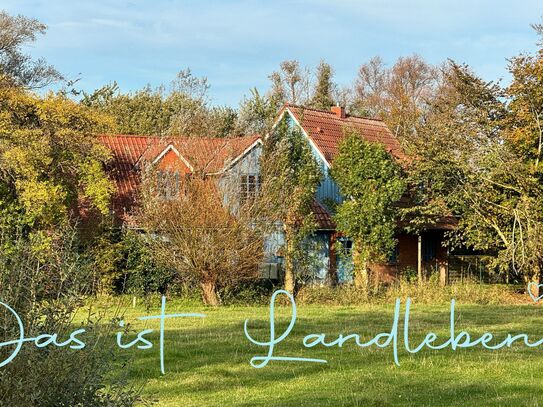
<point>236,161</point>
<point>324,131</point>
<point>174,158</point>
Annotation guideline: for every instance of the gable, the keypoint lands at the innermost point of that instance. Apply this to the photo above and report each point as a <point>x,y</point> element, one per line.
<point>325,131</point>
<point>171,160</point>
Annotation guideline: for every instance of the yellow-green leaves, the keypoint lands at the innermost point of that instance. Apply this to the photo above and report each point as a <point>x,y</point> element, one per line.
<point>50,160</point>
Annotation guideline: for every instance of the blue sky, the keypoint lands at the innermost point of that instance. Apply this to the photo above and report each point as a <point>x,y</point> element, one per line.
<point>237,44</point>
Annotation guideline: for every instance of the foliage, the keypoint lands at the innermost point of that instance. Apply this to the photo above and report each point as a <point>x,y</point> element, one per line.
<point>257,113</point>
<point>372,183</point>
<point>469,166</point>
<point>45,296</point>
<point>142,275</point>
<point>248,293</point>
<point>180,109</point>
<point>203,239</point>
<point>290,83</point>
<point>17,68</point>
<point>51,165</point>
<point>399,95</point>
<point>292,177</point>
<point>324,88</point>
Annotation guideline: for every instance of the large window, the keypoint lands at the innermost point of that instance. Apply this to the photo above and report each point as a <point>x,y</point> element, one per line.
<point>429,248</point>
<point>249,188</point>
<point>168,183</point>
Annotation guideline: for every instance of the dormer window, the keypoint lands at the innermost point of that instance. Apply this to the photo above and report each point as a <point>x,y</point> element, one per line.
<point>168,184</point>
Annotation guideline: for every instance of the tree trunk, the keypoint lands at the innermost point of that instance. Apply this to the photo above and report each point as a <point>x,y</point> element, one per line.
<point>290,275</point>
<point>209,293</point>
<point>534,288</point>
<point>290,278</point>
<point>361,278</point>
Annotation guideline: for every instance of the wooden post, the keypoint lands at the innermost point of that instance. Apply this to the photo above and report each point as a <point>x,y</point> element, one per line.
<point>442,273</point>
<point>332,269</point>
<point>419,259</point>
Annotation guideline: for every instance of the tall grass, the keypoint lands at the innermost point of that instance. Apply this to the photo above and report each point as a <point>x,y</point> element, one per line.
<point>425,292</point>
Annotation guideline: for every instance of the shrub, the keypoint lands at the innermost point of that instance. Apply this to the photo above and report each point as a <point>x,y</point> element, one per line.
<point>251,292</point>
<point>46,290</point>
<point>141,274</point>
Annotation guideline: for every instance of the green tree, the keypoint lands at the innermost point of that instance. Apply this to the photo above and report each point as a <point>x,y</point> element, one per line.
<point>257,113</point>
<point>182,109</point>
<point>324,87</point>
<point>291,178</point>
<point>51,165</point>
<point>372,183</point>
<point>469,164</point>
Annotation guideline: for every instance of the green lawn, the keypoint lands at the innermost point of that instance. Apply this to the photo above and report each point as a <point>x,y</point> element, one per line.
<point>207,360</point>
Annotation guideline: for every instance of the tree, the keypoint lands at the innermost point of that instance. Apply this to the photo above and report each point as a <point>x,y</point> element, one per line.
<point>372,183</point>
<point>467,165</point>
<point>290,84</point>
<point>324,88</point>
<point>202,238</point>
<point>400,94</point>
<point>182,109</point>
<point>292,177</point>
<point>51,165</point>
<point>526,107</point>
<point>17,68</point>
<point>256,114</point>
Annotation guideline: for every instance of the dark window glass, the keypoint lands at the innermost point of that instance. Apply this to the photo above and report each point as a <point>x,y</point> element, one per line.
<point>249,187</point>
<point>346,246</point>
<point>168,184</point>
<point>429,247</point>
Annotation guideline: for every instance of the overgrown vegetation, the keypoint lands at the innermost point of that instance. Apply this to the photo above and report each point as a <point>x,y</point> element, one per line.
<point>372,183</point>
<point>46,293</point>
<point>293,177</point>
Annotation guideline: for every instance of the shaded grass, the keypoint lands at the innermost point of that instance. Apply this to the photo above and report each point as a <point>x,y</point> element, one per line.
<point>207,360</point>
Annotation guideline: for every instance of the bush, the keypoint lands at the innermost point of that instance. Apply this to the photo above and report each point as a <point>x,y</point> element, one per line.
<point>141,274</point>
<point>46,290</point>
<point>251,292</point>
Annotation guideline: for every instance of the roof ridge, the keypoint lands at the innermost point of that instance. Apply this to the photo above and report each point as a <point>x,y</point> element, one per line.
<point>332,113</point>
<point>127,135</point>
<point>169,137</point>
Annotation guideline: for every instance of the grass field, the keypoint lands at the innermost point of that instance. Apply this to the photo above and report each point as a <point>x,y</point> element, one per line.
<point>207,360</point>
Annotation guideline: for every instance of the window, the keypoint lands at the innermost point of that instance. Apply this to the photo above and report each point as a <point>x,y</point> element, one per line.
<point>345,247</point>
<point>168,184</point>
<point>429,247</point>
<point>393,258</point>
<point>249,188</point>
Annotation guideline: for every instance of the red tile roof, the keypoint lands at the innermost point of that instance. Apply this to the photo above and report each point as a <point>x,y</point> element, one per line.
<point>322,216</point>
<point>210,155</point>
<point>325,129</point>
<point>126,150</point>
<point>206,154</point>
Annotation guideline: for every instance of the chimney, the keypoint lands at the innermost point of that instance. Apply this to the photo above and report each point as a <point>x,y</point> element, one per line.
<point>339,111</point>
